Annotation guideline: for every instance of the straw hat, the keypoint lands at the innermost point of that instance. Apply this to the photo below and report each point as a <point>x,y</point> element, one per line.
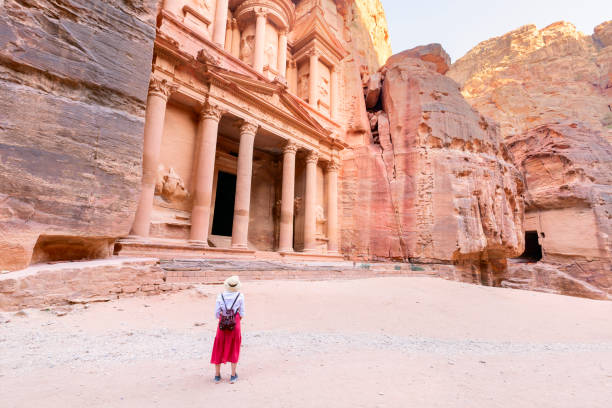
<point>232,284</point>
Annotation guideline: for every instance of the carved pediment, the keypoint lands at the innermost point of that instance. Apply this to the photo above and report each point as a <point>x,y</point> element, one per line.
<point>313,28</point>
<point>273,95</point>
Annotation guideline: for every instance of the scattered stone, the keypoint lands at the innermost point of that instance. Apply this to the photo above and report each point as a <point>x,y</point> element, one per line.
<point>82,301</point>
<point>199,324</point>
<point>21,313</point>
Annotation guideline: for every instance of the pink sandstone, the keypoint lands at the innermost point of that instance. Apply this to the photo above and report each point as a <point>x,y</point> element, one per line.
<point>550,90</point>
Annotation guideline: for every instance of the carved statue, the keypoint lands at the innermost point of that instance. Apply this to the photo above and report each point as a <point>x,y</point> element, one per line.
<point>303,86</point>
<point>271,55</point>
<point>323,88</point>
<point>321,220</point>
<point>247,47</point>
<point>170,186</point>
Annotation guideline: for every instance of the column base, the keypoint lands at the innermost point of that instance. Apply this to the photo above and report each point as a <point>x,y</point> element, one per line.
<point>285,250</point>
<point>310,250</point>
<point>197,243</point>
<point>134,238</point>
<point>239,246</point>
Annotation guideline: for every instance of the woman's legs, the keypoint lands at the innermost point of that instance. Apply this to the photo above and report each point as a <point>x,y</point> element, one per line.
<point>234,368</point>
<point>217,369</point>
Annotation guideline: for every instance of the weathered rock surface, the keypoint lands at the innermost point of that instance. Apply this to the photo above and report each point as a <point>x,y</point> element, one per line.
<point>551,91</point>
<point>80,282</point>
<point>433,53</point>
<point>73,81</point>
<point>439,187</point>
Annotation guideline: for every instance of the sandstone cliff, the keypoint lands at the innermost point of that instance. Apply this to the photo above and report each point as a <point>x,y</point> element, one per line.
<point>437,185</point>
<point>367,24</point>
<point>551,92</point>
<point>73,81</point>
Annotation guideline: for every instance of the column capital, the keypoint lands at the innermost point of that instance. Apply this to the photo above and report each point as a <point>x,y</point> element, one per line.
<point>248,128</point>
<point>234,23</point>
<point>283,32</point>
<point>161,88</point>
<point>333,165</point>
<point>312,157</point>
<point>290,148</point>
<point>210,111</point>
<point>261,12</point>
<point>313,53</point>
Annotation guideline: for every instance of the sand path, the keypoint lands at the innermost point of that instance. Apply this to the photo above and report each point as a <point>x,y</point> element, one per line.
<point>387,342</point>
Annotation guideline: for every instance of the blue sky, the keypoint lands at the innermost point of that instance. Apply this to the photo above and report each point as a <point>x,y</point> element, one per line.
<point>461,24</point>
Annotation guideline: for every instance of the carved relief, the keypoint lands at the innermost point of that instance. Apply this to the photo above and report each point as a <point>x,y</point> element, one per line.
<point>247,47</point>
<point>170,186</point>
<point>303,85</point>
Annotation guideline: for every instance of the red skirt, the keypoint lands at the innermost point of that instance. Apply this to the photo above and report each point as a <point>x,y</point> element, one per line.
<point>227,345</point>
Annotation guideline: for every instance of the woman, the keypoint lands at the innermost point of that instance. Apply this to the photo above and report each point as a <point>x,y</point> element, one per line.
<point>227,341</point>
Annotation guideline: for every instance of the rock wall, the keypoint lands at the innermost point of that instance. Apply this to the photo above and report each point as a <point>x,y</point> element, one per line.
<point>436,185</point>
<point>551,92</point>
<point>367,24</point>
<point>73,81</point>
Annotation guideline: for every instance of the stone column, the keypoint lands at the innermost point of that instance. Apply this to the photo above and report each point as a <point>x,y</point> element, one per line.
<point>332,206</point>
<point>220,23</point>
<point>313,80</point>
<point>282,54</point>
<point>285,242</point>
<point>205,170</point>
<point>310,220</point>
<point>229,36</point>
<point>293,77</point>
<point>333,92</point>
<point>244,174</point>
<point>260,39</point>
<point>235,39</point>
<point>159,92</point>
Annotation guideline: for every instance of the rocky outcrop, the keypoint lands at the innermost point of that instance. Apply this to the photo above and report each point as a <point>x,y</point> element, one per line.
<point>437,186</point>
<point>73,81</point>
<point>551,92</point>
<point>82,282</point>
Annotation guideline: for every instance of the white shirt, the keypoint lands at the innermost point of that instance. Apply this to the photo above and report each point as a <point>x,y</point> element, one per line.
<point>229,299</point>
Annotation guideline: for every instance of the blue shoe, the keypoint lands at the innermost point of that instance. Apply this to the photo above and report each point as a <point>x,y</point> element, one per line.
<point>233,378</point>
<point>217,379</point>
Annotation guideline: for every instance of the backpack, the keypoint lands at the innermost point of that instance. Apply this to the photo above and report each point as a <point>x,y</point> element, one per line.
<point>228,318</point>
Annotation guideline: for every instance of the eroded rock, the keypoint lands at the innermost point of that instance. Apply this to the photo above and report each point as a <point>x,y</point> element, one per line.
<point>441,186</point>
<point>73,97</point>
<point>551,92</point>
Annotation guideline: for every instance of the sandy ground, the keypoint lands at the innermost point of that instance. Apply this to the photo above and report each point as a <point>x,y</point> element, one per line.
<point>387,342</point>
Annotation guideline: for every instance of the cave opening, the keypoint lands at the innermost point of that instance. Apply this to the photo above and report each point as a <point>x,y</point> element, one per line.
<point>63,248</point>
<point>533,249</point>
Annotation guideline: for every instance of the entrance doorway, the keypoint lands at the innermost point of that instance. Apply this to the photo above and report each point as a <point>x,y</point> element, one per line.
<point>533,249</point>
<point>224,204</point>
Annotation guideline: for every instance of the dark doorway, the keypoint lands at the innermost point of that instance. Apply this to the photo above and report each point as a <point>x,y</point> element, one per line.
<point>533,249</point>
<point>224,204</point>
